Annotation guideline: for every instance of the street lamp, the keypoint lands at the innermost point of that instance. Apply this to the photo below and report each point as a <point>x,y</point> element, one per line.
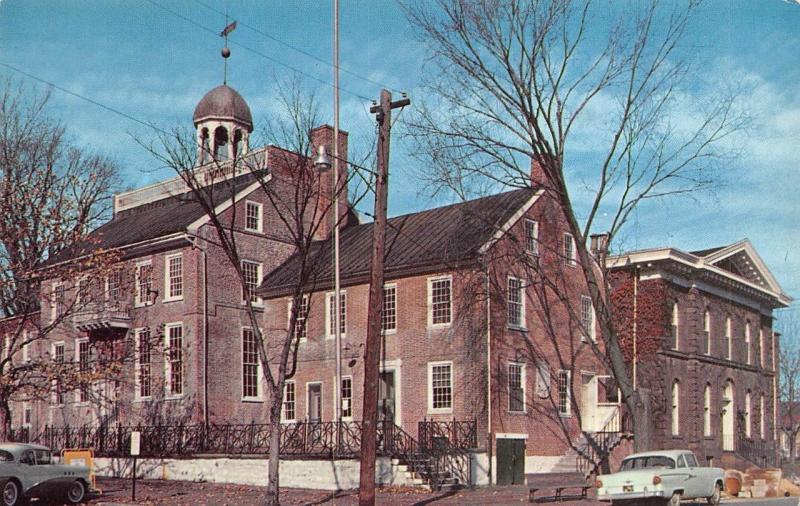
<point>322,162</point>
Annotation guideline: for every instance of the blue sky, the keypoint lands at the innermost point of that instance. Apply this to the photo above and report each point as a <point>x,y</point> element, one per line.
<point>141,59</point>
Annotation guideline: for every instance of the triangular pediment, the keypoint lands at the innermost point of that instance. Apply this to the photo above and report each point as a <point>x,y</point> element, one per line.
<point>742,260</point>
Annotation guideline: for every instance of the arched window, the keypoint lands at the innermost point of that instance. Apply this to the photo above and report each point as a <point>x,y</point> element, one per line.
<point>762,419</point>
<point>761,347</point>
<point>676,415</point>
<point>748,418</point>
<point>675,322</point>
<point>728,336</point>
<point>237,142</point>
<point>707,411</point>
<point>747,339</point>
<point>205,149</point>
<point>220,144</point>
<point>707,329</point>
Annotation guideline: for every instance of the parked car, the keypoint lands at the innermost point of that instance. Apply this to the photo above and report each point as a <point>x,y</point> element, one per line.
<point>28,471</point>
<point>664,477</point>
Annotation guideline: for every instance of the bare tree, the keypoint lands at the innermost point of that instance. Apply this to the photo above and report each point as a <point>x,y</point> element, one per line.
<point>299,203</point>
<point>53,193</point>
<point>516,81</point>
<point>789,383</point>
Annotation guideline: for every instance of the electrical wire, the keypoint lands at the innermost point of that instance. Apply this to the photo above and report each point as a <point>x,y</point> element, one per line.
<point>254,51</point>
<point>301,51</point>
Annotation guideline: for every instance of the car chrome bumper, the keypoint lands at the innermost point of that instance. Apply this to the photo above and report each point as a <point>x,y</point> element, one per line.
<point>630,495</point>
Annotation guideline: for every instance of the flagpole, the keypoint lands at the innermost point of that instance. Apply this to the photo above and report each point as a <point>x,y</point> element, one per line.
<point>336,155</point>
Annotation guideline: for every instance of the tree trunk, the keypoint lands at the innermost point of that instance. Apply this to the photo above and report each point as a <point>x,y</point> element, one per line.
<point>273,488</point>
<point>5,419</point>
<point>642,422</point>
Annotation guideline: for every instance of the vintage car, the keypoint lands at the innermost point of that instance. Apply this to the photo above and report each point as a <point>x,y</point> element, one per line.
<point>28,471</point>
<point>663,477</point>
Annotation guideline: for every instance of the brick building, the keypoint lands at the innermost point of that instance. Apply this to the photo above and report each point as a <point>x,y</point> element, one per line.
<point>697,329</point>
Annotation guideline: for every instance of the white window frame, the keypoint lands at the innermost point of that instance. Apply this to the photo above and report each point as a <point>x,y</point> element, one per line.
<point>747,341</point>
<point>54,313</point>
<point>255,299</point>
<point>570,258</point>
<point>340,392</point>
<point>78,391</point>
<point>729,336</point>
<point>707,411</point>
<point>675,399</point>
<point>531,242</point>
<point>321,400</point>
<point>260,216</point>
<point>137,364</point>
<point>63,346</point>
<point>250,398</point>
<point>138,301</point>
<point>567,409</point>
<point>168,362</point>
<point>707,329</point>
<point>590,333</point>
<point>431,409</point>
<point>26,352</point>
<point>307,303</point>
<point>431,281</point>
<point>523,385</point>
<point>294,402</point>
<point>342,320</point>
<point>393,288</point>
<point>26,408</point>
<point>520,303</point>
<point>748,415</point>
<point>761,418</point>
<point>168,295</point>
<point>761,346</point>
<point>676,324</point>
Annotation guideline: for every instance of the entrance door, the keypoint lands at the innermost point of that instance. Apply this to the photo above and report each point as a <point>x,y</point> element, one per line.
<point>386,397</point>
<point>510,461</point>
<point>315,402</point>
<point>588,402</point>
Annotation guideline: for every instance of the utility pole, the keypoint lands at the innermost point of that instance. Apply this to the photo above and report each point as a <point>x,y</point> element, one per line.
<point>383,115</point>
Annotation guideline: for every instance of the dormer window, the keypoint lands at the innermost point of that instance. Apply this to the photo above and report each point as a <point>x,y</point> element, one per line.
<point>221,144</point>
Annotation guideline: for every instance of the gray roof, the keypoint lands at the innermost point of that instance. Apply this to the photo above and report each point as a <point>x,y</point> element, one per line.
<point>223,102</point>
<point>445,237</point>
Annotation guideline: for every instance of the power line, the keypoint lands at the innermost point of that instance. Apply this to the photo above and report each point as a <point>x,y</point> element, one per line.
<point>254,51</point>
<point>301,51</point>
<point>87,99</point>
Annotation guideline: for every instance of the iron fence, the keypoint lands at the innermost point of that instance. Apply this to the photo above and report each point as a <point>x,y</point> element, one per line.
<point>456,433</point>
<point>759,452</point>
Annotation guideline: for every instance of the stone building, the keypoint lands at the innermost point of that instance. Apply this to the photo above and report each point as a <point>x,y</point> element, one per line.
<point>697,329</point>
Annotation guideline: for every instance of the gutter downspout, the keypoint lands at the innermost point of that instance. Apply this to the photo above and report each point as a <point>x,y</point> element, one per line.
<point>489,374</point>
<point>635,320</point>
<point>205,328</point>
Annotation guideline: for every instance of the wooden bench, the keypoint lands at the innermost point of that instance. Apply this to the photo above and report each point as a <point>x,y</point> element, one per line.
<point>558,483</point>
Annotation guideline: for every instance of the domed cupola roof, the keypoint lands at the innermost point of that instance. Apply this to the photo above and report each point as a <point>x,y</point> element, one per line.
<point>223,102</point>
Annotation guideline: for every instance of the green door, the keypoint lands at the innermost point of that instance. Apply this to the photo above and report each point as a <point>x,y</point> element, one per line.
<point>510,461</point>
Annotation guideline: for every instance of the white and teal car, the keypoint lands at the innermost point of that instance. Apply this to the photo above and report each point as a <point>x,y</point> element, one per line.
<point>663,477</point>
<point>28,471</point>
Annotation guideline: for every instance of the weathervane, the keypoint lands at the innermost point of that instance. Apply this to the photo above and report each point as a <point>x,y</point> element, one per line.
<point>226,53</point>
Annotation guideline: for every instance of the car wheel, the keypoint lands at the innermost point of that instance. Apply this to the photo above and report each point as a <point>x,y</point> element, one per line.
<point>10,493</point>
<point>75,492</point>
<point>675,500</point>
<point>715,497</point>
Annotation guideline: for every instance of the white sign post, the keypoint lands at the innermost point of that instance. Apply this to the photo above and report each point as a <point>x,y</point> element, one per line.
<point>136,439</point>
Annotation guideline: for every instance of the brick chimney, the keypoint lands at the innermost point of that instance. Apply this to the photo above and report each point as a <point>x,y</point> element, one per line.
<point>539,176</point>
<point>599,246</point>
<point>323,136</point>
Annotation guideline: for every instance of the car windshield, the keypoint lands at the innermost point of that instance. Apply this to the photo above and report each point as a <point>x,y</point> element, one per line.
<point>654,461</point>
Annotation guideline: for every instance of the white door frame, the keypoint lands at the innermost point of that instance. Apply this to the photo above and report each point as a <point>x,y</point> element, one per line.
<point>395,367</point>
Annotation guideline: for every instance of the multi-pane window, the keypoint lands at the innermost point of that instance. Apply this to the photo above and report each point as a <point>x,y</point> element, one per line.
<point>761,418</point>
<point>174,342</point>
<point>347,397</point>
<point>761,347</point>
<point>288,401</point>
<point>569,249</point>
<point>59,300</point>
<point>748,416</point>
<point>58,358</point>
<point>747,340</point>
<point>516,303</point>
<point>676,408</point>
<point>587,317</point>
<point>531,237</point>
<point>250,364</point>
<point>441,386</point>
<point>707,329</point>
<point>144,283</point>
<point>252,218</point>
<point>389,310</point>
<point>82,355</point>
<point>707,411</point>
<point>301,320</point>
<point>564,393</point>
<point>516,387</point>
<point>174,277</point>
<point>675,324</point>
<point>114,291</point>
<point>143,364</point>
<point>251,273</point>
<point>83,295</point>
<point>331,319</point>
<point>440,296</point>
